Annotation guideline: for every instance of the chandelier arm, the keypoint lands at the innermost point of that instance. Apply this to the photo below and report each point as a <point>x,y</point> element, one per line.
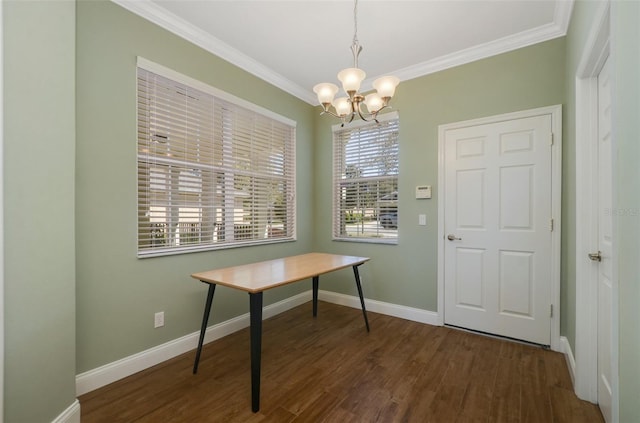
<point>362,115</point>
<point>328,111</point>
<point>381,109</point>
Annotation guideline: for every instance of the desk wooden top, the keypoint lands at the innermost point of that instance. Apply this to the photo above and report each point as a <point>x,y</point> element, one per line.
<point>257,277</point>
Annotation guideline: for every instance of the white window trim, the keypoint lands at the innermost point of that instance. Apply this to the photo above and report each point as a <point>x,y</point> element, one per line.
<point>201,86</point>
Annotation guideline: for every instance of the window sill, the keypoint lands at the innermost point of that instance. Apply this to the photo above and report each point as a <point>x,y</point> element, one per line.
<point>385,241</point>
<point>210,247</point>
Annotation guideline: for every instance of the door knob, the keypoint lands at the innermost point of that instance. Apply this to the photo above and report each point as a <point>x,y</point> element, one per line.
<point>595,256</point>
<point>452,237</point>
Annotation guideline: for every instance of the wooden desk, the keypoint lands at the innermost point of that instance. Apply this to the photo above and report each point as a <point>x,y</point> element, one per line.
<point>258,277</point>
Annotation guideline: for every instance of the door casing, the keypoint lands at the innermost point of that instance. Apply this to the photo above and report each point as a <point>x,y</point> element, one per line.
<point>556,185</point>
<point>595,53</point>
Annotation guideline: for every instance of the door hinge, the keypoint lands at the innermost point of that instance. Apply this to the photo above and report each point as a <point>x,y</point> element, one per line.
<point>551,224</point>
<point>550,310</point>
<point>551,139</point>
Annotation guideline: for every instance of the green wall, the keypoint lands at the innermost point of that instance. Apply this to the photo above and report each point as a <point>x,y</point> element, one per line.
<point>76,295</point>
<point>39,272</point>
<point>625,59</point>
<point>118,294</point>
<point>406,273</point>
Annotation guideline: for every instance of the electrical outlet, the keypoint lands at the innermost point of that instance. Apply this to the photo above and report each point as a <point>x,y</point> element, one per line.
<point>158,319</point>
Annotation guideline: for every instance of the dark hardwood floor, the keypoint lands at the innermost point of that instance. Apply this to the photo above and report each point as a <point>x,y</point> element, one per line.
<point>329,369</point>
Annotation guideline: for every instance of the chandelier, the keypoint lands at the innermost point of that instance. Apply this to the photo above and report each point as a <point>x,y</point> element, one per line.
<point>347,108</point>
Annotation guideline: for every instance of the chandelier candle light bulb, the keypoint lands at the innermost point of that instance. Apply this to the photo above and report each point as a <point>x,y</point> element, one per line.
<point>326,92</point>
<point>373,102</point>
<point>346,108</point>
<point>342,106</point>
<point>351,79</point>
<point>386,86</point>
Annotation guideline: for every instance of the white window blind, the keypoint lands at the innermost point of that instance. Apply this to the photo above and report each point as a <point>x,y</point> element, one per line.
<point>211,173</point>
<point>365,182</point>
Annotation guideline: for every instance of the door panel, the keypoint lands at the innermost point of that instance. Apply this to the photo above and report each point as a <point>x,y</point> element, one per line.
<point>605,290</point>
<point>470,199</point>
<point>498,207</point>
<point>516,284</point>
<point>470,283</point>
<point>516,204</point>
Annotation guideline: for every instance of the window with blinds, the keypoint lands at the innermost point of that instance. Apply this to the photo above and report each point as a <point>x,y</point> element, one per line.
<point>365,181</point>
<point>213,171</point>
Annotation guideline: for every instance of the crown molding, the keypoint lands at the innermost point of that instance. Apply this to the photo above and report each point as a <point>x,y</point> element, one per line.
<point>562,14</point>
<point>150,10</point>
<point>559,27</point>
<point>483,51</point>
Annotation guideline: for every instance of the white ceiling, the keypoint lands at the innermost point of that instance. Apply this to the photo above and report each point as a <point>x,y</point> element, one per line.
<point>296,44</point>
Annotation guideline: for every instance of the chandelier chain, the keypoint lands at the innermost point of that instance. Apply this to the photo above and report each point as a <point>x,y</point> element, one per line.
<point>355,22</point>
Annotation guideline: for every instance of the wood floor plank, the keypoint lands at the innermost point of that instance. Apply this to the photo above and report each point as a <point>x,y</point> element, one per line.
<point>434,336</point>
<point>557,372</point>
<point>323,404</point>
<point>279,415</point>
<point>505,406</point>
<point>369,404</point>
<point>567,408</point>
<point>535,397</point>
<point>330,369</point>
<point>402,380</point>
<point>418,408</point>
<point>447,403</point>
<point>476,405</point>
<point>339,415</point>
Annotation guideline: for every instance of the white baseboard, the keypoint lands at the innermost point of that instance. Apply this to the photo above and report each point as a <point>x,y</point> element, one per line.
<point>109,373</point>
<point>395,310</point>
<point>70,415</point>
<point>565,348</point>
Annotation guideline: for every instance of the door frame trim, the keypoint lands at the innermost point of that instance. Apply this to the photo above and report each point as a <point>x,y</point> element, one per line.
<point>556,189</point>
<point>595,53</point>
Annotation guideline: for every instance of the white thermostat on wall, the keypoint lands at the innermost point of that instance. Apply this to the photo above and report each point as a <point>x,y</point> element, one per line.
<point>423,191</point>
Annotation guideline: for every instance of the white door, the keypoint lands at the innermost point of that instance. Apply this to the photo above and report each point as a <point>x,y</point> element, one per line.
<point>604,254</point>
<point>497,220</point>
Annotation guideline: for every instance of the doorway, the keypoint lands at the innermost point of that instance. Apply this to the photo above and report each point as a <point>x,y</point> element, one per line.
<point>602,257</point>
<point>596,340</point>
<point>499,225</point>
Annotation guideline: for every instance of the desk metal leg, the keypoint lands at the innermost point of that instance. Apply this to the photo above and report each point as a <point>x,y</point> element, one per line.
<point>203,328</point>
<point>364,310</point>
<point>255,310</point>
<point>315,295</point>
